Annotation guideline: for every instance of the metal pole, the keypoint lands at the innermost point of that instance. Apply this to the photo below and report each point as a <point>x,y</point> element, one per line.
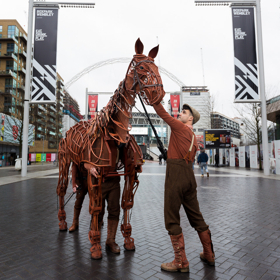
<point>86,111</point>
<point>43,147</point>
<point>27,91</point>
<point>262,89</point>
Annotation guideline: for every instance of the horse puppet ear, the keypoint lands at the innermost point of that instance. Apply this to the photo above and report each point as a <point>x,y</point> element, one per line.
<point>153,52</point>
<point>139,47</point>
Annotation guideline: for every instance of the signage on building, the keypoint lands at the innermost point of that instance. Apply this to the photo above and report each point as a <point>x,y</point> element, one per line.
<point>44,60</point>
<point>175,105</point>
<point>200,141</point>
<point>10,129</point>
<point>194,93</point>
<point>139,130</point>
<point>245,55</point>
<point>217,138</point>
<point>92,105</point>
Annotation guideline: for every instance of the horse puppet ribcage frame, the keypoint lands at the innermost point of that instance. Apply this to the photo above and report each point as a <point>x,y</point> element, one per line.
<point>95,143</point>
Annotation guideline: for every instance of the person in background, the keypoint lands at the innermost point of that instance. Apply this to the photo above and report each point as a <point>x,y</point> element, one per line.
<point>202,160</point>
<point>216,160</point>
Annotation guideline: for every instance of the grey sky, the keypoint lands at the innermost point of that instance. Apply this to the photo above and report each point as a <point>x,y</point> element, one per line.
<point>87,36</point>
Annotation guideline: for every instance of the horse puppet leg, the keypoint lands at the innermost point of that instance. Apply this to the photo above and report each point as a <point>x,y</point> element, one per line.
<point>95,206</point>
<point>130,187</point>
<point>64,164</point>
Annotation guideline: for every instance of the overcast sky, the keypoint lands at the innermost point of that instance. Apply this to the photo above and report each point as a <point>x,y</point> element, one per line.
<point>186,33</point>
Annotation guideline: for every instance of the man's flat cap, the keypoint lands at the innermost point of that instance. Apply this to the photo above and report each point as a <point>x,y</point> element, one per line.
<point>196,115</point>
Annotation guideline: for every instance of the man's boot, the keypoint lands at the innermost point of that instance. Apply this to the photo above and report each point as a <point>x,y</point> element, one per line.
<point>111,235</point>
<point>208,254</point>
<point>75,223</point>
<point>180,263</point>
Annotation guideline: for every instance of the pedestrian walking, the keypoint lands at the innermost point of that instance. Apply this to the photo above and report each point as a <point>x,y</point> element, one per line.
<point>181,188</point>
<point>202,161</point>
<point>160,159</point>
<point>216,160</point>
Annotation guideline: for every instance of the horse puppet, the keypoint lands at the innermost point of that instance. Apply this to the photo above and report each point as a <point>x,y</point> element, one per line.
<point>95,143</point>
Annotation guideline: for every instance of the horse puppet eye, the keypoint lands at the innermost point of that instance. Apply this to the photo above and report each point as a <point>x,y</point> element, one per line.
<point>141,67</point>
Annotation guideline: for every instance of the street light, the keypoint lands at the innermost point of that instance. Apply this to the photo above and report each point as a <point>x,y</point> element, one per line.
<point>255,3</point>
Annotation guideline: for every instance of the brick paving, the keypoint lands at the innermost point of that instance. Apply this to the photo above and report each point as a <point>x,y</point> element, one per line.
<point>243,214</point>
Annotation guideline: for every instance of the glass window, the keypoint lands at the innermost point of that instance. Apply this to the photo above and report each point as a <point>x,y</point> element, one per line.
<point>9,64</point>
<point>10,47</point>
<point>0,45</point>
<point>16,49</point>
<point>15,65</point>
<point>8,82</point>
<point>14,83</point>
<point>1,28</point>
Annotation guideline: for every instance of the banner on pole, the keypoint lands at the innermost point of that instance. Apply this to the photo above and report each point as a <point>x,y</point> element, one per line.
<point>245,55</point>
<point>242,161</point>
<point>44,61</point>
<point>92,105</point>
<point>175,105</point>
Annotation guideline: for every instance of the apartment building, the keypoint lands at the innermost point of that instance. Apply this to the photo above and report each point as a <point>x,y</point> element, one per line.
<point>13,41</point>
<point>71,112</point>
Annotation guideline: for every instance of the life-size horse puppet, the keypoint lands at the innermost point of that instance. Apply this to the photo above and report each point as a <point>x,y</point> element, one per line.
<point>94,143</point>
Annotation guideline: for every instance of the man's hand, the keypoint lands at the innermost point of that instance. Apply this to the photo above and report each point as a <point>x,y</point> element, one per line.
<point>75,188</point>
<point>94,171</point>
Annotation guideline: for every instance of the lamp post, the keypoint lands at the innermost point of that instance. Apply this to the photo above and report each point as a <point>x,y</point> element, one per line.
<point>28,78</point>
<point>255,3</point>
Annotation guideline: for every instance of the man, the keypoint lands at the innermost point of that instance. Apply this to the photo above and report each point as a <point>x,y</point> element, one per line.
<point>217,159</point>
<point>110,192</point>
<point>180,188</point>
<point>202,160</point>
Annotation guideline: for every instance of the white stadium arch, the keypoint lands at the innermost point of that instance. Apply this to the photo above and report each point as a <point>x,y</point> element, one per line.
<point>118,60</point>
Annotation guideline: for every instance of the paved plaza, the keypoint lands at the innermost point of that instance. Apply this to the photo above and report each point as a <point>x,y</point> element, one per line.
<point>241,206</point>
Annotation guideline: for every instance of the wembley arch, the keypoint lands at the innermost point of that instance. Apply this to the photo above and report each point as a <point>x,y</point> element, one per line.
<point>114,61</point>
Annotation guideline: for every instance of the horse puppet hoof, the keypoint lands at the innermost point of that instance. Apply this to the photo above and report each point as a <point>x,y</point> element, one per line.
<point>129,245</point>
<point>97,255</point>
<point>63,226</point>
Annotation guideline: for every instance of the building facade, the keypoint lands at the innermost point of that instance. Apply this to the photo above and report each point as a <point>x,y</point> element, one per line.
<point>220,121</point>
<point>71,112</point>
<point>273,115</point>
<point>199,98</point>
<point>13,42</point>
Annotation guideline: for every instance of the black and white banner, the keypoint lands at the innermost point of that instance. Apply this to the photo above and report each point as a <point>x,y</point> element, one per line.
<point>245,55</point>
<point>44,60</point>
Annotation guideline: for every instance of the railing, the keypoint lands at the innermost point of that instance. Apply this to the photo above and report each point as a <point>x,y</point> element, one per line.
<point>5,37</point>
<point>20,68</point>
<point>22,52</point>
<point>7,72</point>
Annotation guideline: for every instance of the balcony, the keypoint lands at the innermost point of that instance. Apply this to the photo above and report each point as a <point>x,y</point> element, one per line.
<point>22,54</point>
<point>6,92</point>
<point>42,108</point>
<point>8,38</point>
<point>21,87</point>
<point>9,55</point>
<point>7,74</point>
<point>41,129</point>
<point>22,70</point>
<point>23,37</point>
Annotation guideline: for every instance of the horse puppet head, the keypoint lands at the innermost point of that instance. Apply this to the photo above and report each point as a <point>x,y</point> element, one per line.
<point>143,76</point>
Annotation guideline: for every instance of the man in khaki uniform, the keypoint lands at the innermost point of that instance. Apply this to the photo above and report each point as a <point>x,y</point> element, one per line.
<point>180,188</point>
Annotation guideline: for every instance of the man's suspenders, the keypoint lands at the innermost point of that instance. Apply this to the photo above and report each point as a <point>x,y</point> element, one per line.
<point>188,155</point>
